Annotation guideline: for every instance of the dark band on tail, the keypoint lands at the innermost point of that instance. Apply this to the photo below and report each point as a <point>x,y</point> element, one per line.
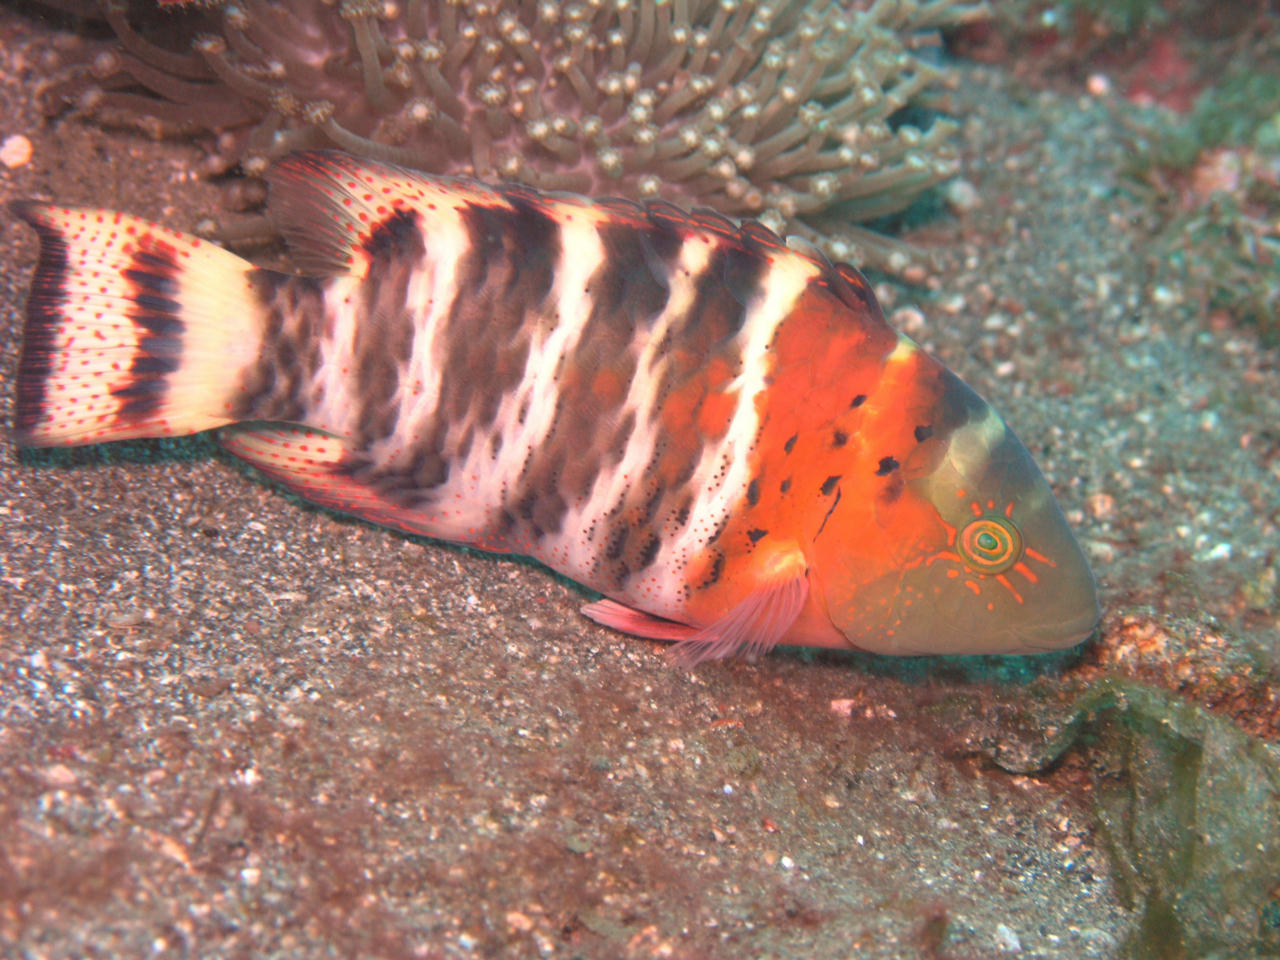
<point>48,291</point>
<point>153,279</point>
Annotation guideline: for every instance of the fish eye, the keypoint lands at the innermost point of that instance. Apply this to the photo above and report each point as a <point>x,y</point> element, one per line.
<point>990,545</point>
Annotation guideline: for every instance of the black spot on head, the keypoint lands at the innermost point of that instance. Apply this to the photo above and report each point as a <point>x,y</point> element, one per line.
<point>829,485</point>
<point>753,492</point>
<point>893,488</point>
<point>887,466</point>
<point>785,485</point>
<point>839,439</point>
<point>790,443</point>
<point>858,401</point>
<point>755,536</point>
<point>923,433</point>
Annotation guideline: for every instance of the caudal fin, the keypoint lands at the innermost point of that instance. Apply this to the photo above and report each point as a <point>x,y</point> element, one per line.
<point>132,330</point>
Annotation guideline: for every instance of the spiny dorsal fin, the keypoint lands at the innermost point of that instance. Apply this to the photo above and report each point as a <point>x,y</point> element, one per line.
<point>334,209</point>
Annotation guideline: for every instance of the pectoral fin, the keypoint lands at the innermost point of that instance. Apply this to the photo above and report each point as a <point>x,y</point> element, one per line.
<point>610,613</point>
<point>753,627</point>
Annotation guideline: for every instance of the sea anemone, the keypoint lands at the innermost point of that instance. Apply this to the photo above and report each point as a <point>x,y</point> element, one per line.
<point>789,111</point>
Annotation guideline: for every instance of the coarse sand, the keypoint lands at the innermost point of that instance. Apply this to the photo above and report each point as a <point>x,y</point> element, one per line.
<point>235,725</point>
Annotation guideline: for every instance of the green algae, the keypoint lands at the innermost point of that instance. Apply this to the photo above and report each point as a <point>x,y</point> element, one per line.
<point>1188,807</point>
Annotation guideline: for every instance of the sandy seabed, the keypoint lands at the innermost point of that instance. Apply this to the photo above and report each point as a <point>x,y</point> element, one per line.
<point>235,725</point>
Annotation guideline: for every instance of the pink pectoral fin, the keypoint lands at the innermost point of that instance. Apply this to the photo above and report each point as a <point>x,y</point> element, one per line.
<point>753,627</point>
<point>610,613</point>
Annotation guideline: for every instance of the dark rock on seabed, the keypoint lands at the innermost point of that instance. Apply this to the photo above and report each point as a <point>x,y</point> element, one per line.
<point>232,725</point>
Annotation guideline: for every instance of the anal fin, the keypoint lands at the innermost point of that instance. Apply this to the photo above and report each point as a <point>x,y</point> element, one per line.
<point>313,464</point>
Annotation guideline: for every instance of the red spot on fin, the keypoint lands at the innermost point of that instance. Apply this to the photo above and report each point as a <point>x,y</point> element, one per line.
<point>329,205</point>
<point>315,465</point>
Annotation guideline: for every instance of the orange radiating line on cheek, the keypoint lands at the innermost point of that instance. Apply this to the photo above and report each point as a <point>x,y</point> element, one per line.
<point>1034,555</point>
<point>1004,582</point>
<point>1023,569</point>
<point>977,590</point>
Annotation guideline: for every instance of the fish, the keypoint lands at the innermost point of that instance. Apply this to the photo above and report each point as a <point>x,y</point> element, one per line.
<point>713,429</point>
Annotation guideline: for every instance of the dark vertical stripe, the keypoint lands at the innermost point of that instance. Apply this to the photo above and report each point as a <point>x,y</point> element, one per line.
<point>628,290</point>
<point>503,278</point>
<point>152,285</point>
<point>275,386</point>
<point>45,310</point>
<point>384,335</point>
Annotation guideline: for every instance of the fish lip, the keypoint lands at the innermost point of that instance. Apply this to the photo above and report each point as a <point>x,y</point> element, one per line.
<point>1064,633</point>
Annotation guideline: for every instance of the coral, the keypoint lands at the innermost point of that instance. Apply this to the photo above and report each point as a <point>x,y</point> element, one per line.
<point>786,111</point>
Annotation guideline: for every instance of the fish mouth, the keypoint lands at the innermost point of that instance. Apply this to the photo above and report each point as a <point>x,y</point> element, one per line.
<point>1057,635</point>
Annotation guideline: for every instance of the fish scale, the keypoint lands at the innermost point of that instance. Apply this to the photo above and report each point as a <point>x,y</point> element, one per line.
<point>720,434</point>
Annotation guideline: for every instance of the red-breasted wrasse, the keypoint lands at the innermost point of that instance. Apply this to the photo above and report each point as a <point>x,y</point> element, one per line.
<point>718,433</point>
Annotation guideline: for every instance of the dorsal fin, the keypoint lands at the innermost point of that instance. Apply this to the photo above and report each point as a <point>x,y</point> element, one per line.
<point>330,206</point>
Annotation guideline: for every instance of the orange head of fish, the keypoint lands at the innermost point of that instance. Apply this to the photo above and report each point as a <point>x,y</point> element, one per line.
<point>939,533</point>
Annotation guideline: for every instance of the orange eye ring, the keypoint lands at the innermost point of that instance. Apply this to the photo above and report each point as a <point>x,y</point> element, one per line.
<point>990,545</point>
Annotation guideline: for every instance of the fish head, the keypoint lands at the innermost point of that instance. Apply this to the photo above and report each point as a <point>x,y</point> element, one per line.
<point>963,550</point>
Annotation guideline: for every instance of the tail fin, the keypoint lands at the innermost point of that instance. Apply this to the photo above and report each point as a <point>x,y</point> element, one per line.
<point>132,330</point>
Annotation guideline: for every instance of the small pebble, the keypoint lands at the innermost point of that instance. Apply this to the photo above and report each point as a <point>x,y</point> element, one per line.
<point>961,195</point>
<point>15,151</point>
<point>1100,505</point>
<point>1098,84</point>
<point>842,707</point>
<point>1007,940</point>
<point>519,921</point>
